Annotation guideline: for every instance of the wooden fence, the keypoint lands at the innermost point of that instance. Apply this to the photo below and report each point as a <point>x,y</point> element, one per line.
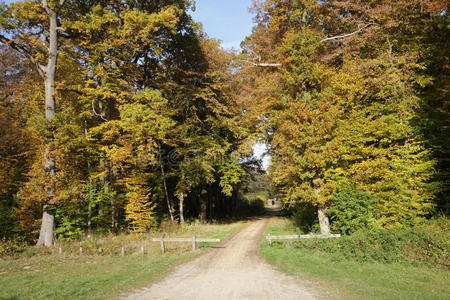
<point>100,250</point>
<point>192,240</point>
<point>162,240</point>
<point>271,238</point>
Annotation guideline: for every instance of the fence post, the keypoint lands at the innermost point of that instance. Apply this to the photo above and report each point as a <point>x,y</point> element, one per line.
<point>81,250</point>
<point>60,250</point>
<point>193,243</point>
<point>162,245</point>
<point>142,250</point>
<point>122,251</point>
<point>269,239</point>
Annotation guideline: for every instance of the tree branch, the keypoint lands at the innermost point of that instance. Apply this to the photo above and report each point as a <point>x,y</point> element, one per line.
<point>275,65</point>
<point>96,113</point>
<point>65,89</point>
<point>23,50</point>
<point>261,64</point>
<point>62,32</point>
<point>332,38</point>
<point>14,45</point>
<point>338,37</point>
<point>46,7</point>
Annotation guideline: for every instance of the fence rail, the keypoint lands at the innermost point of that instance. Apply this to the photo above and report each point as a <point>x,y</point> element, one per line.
<point>271,238</point>
<point>192,240</point>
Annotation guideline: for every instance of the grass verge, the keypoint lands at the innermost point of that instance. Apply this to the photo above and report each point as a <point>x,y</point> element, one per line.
<point>356,280</point>
<point>47,275</point>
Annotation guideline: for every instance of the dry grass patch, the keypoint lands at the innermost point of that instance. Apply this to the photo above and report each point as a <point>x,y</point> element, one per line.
<point>46,274</point>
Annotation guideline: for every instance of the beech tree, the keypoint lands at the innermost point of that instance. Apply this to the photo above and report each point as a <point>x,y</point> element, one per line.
<point>39,42</point>
<point>346,67</point>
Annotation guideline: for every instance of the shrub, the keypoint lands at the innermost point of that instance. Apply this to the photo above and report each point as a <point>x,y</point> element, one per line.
<point>7,218</point>
<point>10,247</point>
<point>305,217</point>
<point>429,245</point>
<point>350,210</point>
<point>69,229</point>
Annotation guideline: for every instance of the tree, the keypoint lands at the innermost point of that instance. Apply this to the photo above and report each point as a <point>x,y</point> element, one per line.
<point>36,48</point>
<point>108,50</point>
<point>131,145</point>
<point>16,139</point>
<point>346,67</point>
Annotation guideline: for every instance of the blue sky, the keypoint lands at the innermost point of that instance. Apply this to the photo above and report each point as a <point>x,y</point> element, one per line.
<point>226,20</point>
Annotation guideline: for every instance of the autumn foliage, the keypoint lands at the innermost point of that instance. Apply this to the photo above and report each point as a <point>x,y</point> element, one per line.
<point>359,102</point>
<point>154,120</point>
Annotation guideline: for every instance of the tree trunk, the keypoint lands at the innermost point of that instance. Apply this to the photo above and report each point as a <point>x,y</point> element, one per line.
<point>46,234</point>
<point>91,188</point>
<point>89,221</point>
<point>181,208</point>
<point>166,193</point>
<point>203,205</point>
<point>47,225</point>
<point>324,222</point>
<point>113,214</point>
<point>107,181</point>
<point>48,219</point>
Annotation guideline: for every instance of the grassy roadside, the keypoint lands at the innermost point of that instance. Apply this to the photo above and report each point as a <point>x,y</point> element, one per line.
<point>70,276</point>
<point>357,280</point>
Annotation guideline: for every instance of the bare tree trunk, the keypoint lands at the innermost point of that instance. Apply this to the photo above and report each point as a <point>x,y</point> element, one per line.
<point>166,193</point>
<point>89,222</point>
<point>47,225</point>
<point>324,222</point>
<point>113,201</point>
<point>107,182</point>
<point>113,214</point>
<point>203,205</point>
<point>48,219</point>
<point>91,189</point>
<point>181,208</point>
<point>108,188</point>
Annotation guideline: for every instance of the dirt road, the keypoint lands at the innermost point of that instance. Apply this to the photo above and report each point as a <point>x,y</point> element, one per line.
<point>232,271</point>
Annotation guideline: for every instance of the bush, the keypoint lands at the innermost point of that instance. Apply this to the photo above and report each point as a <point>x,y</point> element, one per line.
<point>10,247</point>
<point>305,217</point>
<point>350,210</point>
<point>430,245</point>
<point>69,229</point>
<point>7,218</point>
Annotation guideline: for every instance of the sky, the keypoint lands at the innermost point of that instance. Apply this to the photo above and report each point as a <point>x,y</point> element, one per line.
<point>226,20</point>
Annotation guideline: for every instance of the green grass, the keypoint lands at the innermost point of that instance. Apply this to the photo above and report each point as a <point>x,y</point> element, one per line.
<point>357,280</point>
<point>70,276</point>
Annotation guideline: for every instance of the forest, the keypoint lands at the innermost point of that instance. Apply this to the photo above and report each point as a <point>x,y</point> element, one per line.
<point>116,116</point>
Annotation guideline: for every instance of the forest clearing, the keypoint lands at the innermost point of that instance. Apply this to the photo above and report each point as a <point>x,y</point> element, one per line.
<point>133,131</point>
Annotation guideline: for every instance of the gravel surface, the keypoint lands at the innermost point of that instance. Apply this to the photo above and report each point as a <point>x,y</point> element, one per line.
<point>232,270</point>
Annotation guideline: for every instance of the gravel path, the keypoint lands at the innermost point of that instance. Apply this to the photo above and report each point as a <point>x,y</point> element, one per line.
<point>233,270</point>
